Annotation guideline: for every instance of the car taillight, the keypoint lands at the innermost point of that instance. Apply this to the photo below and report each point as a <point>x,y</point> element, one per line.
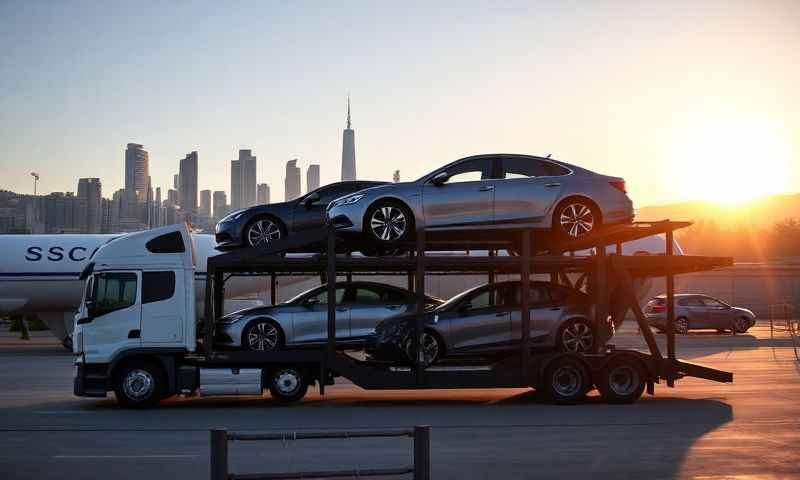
<point>619,185</point>
<point>655,307</point>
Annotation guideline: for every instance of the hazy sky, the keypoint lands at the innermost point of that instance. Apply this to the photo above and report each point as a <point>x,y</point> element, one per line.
<point>670,95</point>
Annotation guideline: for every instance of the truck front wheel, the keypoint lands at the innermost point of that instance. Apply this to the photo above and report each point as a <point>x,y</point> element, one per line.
<point>139,384</point>
<point>287,385</point>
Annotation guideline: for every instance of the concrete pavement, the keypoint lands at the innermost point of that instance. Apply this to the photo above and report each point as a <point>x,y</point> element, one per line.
<point>699,429</point>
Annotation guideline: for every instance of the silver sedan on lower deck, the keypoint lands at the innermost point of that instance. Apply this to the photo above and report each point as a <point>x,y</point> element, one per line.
<point>303,320</point>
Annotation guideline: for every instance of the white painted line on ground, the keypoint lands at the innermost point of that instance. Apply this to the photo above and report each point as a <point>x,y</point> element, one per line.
<point>84,457</point>
<point>60,412</point>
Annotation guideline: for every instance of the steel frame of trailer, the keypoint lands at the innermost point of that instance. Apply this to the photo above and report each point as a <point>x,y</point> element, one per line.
<point>522,367</point>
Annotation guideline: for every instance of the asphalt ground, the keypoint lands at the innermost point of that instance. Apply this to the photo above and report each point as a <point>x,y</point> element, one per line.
<point>748,429</point>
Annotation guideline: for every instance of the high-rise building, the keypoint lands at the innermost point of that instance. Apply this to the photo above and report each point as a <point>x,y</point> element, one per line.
<point>263,194</point>
<point>396,176</point>
<point>220,204</point>
<point>348,150</point>
<point>64,213</point>
<point>158,209</point>
<point>172,197</point>
<point>187,193</point>
<point>243,180</point>
<point>90,191</point>
<point>312,177</point>
<point>292,182</point>
<point>137,171</point>
<point>205,203</point>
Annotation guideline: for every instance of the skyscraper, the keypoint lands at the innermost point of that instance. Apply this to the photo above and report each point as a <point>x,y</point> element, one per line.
<point>312,177</point>
<point>220,204</point>
<point>90,191</point>
<point>243,180</point>
<point>292,182</point>
<point>348,150</point>
<point>187,181</point>
<point>205,203</point>
<point>263,194</point>
<point>396,176</point>
<point>137,171</point>
<point>158,208</point>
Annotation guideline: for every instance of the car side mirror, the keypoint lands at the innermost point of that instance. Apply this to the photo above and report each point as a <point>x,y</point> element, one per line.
<point>310,302</point>
<point>311,200</point>
<point>464,307</point>
<point>440,178</point>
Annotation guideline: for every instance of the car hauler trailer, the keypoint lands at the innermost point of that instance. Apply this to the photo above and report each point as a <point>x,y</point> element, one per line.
<point>142,372</point>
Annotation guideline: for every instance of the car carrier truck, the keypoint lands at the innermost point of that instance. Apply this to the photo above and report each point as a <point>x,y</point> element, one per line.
<point>136,332</point>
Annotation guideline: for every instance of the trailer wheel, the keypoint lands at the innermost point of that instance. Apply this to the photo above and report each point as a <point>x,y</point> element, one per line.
<point>566,381</point>
<point>287,385</point>
<point>139,384</point>
<point>622,380</point>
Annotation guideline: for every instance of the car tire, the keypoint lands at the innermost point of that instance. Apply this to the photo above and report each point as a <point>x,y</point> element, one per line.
<point>287,384</point>
<point>139,384</point>
<point>682,325</point>
<point>577,336</point>
<point>261,231</point>
<point>741,324</point>
<point>262,335</point>
<point>398,229</point>
<point>622,380</point>
<point>432,346</point>
<point>576,217</point>
<point>566,381</point>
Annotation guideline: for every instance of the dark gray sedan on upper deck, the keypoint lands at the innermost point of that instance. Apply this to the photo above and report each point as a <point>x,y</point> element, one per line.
<point>487,193</point>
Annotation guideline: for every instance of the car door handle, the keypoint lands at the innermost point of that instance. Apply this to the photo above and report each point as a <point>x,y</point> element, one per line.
<point>486,188</point>
<point>551,185</point>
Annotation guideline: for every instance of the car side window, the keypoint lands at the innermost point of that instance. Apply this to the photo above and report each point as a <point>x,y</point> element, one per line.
<point>368,296</point>
<point>526,167</point>
<point>484,299</point>
<point>113,291</point>
<point>322,296</point>
<point>712,303</point>
<point>329,194</point>
<point>537,295</point>
<point>472,170</point>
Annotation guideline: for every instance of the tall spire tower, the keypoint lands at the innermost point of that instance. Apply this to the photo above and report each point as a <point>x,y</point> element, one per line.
<point>348,150</point>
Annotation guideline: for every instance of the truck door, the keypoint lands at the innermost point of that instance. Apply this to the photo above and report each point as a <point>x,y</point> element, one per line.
<point>163,311</point>
<point>114,313</point>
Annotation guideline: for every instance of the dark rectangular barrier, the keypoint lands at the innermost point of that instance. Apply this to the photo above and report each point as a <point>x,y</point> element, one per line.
<point>420,469</point>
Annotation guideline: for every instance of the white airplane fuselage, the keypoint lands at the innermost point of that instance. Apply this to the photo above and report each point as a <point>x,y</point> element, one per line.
<point>39,274</point>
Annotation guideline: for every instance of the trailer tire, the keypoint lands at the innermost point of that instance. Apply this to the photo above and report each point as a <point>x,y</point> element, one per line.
<point>566,380</point>
<point>287,385</point>
<point>622,380</point>
<point>139,384</point>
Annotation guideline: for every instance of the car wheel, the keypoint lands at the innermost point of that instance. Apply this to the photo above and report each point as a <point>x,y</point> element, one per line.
<point>432,349</point>
<point>575,218</point>
<point>389,222</point>
<point>139,384</point>
<point>741,324</point>
<point>682,325</point>
<point>263,231</point>
<point>262,335</point>
<point>566,381</point>
<point>622,380</point>
<point>287,385</point>
<point>576,336</point>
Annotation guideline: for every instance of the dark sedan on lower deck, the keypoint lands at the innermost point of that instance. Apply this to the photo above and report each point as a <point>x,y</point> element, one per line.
<point>696,311</point>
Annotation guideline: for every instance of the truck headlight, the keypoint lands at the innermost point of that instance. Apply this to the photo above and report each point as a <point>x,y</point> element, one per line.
<point>346,200</point>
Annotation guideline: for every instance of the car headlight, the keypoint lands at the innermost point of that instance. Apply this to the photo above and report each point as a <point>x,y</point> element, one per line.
<point>231,319</point>
<point>346,200</point>
<point>231,217</point>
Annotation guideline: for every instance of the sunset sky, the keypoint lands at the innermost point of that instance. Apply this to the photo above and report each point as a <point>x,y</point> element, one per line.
<point>686,100</point>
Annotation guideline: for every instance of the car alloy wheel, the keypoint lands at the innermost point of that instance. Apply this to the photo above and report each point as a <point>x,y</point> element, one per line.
<point>741,324</point>
<point>388,223</point>
<point>263,232</point>
<point>262,336</point>
<point>681,325</point>
<point>577,337</point>
<point>138,384</point>
<point>430,349</point>
<point>576,219</point>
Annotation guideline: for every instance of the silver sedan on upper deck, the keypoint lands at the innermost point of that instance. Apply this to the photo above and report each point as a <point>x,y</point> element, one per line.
<point>486,193</point>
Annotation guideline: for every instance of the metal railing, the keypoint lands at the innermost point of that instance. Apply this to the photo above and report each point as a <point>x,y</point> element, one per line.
<point>790,314</point>
<point>421,467</point>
